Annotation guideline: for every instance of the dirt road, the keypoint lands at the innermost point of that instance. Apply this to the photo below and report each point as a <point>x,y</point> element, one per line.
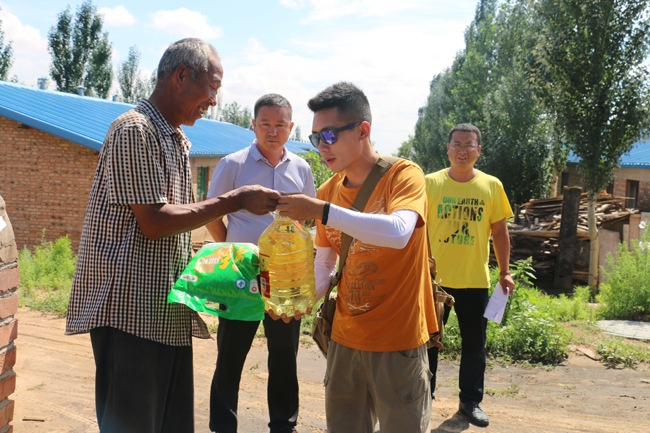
<point>55,390</point>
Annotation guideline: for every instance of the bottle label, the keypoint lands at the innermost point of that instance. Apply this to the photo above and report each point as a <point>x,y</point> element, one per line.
<point>265,281</point>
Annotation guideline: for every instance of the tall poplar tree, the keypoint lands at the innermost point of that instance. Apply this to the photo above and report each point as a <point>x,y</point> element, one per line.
<point>588,64</point>
<point>81,54</point>
<point>6,55</point>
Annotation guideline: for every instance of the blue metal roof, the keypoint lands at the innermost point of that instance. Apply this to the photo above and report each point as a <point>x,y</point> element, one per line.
<point>84,120</point>
<point>637,157</point>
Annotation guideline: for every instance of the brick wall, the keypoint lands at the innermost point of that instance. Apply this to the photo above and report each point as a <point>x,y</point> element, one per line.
<point>45,181</point>
<point>619,187</point>
<point>644,196</point>
<point>9,279</point>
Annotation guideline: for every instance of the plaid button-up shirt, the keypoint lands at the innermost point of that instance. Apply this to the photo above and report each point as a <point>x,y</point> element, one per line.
<point>122,278</point>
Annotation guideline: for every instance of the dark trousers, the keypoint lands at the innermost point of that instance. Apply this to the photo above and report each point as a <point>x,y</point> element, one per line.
<point>141,386</point>
<point>234,339</point>
<point>469,305</point>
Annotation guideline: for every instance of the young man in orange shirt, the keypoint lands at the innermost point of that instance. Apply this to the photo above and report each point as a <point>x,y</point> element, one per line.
<point>377,364</point>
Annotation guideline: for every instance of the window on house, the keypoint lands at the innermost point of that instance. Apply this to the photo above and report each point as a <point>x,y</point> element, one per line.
<point>610,188</point>
<point>201,183</point>
<point>632,192</point>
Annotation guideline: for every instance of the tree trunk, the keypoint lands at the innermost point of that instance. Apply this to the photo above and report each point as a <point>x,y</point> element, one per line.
<point>593,245</point>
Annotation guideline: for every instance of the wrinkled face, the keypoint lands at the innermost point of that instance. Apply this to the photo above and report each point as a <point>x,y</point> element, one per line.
<point>272,128</point>
<point>463,149</point>
<point>346,150</point>
<point>197,96</point>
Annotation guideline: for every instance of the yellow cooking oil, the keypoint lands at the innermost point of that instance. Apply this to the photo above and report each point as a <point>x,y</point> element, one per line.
<point>287,267</point>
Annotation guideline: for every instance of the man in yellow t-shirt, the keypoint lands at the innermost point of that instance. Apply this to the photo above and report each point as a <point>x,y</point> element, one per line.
<point>377,364</point>
<point>465,207</point>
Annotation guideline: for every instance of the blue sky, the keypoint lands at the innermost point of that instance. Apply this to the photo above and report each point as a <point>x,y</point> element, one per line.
<point>391,49</point>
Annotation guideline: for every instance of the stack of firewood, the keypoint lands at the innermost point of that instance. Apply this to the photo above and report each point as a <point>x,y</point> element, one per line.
<point>537,229</point>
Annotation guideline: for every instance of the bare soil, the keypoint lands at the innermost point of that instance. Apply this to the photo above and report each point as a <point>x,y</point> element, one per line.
<point>55,389</point>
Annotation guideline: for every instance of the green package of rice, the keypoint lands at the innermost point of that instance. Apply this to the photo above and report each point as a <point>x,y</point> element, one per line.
<point>225,274</point>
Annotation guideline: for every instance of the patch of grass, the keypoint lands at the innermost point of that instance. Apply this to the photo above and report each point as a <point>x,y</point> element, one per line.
<point>617,351</point>
<point>529,330</point>
<point>46,276</point>
<point>510,391</point>
<point>37,387</point>
<point>625,292</point>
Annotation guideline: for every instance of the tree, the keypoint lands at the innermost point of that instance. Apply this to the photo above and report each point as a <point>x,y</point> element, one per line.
<point>6,55</point>
<point>237,115</point>
<point>127,75</point>
<point>297,133</point>
<point>486,85</point>
<point>81,54</point>
<point>588,65</point>
<point>100,73</point>
<point>145,85</point>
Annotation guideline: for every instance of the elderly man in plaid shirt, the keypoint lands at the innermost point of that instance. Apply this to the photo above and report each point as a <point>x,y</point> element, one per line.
<point>136,242</point>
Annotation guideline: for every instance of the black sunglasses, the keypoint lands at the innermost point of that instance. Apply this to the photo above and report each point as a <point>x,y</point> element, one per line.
<point>329,136</point>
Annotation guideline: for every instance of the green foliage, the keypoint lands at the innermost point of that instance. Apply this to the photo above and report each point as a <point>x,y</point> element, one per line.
<point>529,330</point>
<point>625,291</point>
<point>318,167</point>
<point>6,55</point>
<point>237,115</point>
<point>297,134</point>
<point>573,308</point>
<point>127,75</point>
<point>46,276</point>
<point>100,69</point>
<point>588,65</point>
<point>81,54</point>
<point>618,351</point>
<point>487,86</point>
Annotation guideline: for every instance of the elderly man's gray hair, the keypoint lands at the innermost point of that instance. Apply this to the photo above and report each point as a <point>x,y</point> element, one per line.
<point>191,52</point>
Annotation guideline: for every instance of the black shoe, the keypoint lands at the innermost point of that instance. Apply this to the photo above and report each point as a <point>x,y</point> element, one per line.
<point>474,413</point>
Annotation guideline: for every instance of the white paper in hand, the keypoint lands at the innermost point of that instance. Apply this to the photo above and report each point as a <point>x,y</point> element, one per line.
<point>496,305</point>
<point>3,224</point>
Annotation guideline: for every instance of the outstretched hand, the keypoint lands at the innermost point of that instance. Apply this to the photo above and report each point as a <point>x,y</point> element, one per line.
<point>300,207</point>
<point>256,199</point>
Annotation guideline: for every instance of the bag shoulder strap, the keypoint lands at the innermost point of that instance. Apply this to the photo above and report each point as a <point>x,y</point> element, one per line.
<point>379,169</point>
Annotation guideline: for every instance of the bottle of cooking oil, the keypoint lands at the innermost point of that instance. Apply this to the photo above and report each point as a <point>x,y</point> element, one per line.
<point>287,267</point>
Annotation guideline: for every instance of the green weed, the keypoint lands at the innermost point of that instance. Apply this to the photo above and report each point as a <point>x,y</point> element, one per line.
<point>617,351</point>
<point>510,391</point>
<point>528,331</point>
<point>625,292</point>
<point>46,276</point>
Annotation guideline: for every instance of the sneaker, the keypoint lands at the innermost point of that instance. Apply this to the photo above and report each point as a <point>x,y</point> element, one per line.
<point>474,413</point>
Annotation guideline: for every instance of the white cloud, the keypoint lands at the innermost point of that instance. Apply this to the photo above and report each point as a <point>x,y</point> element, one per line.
<point>325,9</point>
<point>185,23</point>
<point>294,4</point>
<point>116,17</point>
<point>25,37</point>
<point>31,58</point>
<point>392,62</point>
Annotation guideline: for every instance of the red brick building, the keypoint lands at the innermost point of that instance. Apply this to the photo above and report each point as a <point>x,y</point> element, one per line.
<point>631,179</point>
<point>49,142</point>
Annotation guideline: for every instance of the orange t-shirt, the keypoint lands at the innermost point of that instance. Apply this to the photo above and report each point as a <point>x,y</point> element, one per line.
<point>385,300</point>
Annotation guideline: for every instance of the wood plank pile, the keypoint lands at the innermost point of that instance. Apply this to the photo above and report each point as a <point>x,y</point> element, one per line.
<point>538,229</point>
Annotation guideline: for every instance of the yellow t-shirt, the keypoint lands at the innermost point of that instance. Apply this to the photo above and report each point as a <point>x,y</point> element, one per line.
<point>460,219</point>
<point>385,300</point>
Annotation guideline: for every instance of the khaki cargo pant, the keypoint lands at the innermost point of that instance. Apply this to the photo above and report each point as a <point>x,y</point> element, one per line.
<point>363,387</point>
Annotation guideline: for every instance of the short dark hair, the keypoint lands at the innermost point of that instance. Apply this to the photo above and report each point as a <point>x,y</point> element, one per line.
<point>272,100</point>
<point>351,102</point>
<point>466,127</point>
